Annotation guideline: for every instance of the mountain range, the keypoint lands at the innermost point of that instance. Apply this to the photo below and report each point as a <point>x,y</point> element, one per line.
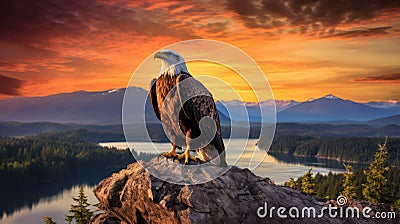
<point>328,108</point>
<point>105,107</point>
<point>332,108</point>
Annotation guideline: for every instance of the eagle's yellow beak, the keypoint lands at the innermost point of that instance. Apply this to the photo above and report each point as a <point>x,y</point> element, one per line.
<point>160,55</point>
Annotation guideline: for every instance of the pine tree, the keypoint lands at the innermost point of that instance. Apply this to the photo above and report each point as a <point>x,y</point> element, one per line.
<point>291,183</point>
<point>397,204</point>
<point>349,187</point>
<point>307,182</point>
<point>48,220</point>
<point>80,212</point>
<point>376,189</point>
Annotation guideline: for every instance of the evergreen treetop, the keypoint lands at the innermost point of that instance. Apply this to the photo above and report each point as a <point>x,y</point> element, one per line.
<point>377,187</point>
<point>307,183</point>
<point>349,187</point>
<point>80,212</point>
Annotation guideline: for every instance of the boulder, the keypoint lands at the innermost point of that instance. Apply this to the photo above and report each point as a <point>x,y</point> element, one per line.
<point>133,195</point>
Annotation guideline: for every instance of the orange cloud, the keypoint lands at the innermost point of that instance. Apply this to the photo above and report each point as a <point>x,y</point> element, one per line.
<point>388,78</point>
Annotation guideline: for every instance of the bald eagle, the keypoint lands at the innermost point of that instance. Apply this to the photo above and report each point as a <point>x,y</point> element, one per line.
<point>173,75</point>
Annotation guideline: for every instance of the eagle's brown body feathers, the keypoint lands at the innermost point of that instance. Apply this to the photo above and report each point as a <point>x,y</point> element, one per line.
<point>190,114</point>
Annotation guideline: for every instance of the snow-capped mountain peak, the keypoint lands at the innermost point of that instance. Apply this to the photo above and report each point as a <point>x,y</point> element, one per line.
<point>311,100</point>
<point>111,91</point>
<point>331,97</point>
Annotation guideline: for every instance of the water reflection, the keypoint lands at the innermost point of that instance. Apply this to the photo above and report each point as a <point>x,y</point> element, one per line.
<point>48,199</point>
<point>314,161</point>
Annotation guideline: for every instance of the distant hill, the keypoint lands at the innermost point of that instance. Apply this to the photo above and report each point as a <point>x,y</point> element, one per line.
<point>390,105</point>
<point>237,108</point>
<point>395,119</point>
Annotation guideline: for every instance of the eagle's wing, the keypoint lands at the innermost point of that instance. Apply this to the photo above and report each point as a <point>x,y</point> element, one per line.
<point>200,106</point>
<point>153,98</point>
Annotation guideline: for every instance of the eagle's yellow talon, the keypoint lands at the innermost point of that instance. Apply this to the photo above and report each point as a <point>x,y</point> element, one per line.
<point>186,155</point>
<point>171,153</point>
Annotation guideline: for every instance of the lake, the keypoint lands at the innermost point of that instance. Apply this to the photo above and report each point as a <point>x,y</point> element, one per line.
<point>54,199</point>
<point>278,167</point>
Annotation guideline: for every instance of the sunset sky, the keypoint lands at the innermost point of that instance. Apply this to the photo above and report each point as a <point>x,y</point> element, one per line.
<point>306,48</point>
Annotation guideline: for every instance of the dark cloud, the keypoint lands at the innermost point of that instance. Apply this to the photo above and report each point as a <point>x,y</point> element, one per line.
<point>366,32</point>
<point>382,78</point>
<point>40,21</point>
<point>311,16</point>
<point>244,8</point>
<point>9,86</point>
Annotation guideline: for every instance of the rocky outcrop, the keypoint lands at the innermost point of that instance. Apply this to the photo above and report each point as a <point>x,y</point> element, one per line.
<point>133,195</point>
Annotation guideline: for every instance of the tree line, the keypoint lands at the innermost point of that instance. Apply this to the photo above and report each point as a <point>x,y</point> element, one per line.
<point>355,149</point>
<point>30,160</point>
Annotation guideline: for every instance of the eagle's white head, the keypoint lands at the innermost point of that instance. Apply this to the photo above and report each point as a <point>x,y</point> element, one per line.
<point>172,63</point>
